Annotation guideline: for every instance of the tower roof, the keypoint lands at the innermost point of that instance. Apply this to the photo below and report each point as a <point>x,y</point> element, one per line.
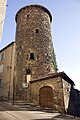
<point>35,5</point>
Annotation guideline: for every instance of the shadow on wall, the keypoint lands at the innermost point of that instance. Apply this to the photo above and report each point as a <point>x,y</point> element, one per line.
<point>74,103</point>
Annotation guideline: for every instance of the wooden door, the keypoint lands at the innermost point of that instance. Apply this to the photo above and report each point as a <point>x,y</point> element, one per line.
<point>46,96</point>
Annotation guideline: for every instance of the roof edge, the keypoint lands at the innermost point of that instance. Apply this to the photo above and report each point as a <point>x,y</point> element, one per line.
<point>53,75</point>
<point>7,46</point>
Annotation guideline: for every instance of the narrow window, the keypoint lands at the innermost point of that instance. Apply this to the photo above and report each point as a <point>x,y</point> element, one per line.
<point>28,71</point>
<point>37,31</point>
<point>1,83</point>
<point>32,56</point>
<point>20,47</point>
<point>28,16</point>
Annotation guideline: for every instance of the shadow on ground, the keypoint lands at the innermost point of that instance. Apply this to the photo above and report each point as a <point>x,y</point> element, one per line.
<point>20,106</point>
<point>45,119</point>
<point>7,106</point>
<point>61,117</point>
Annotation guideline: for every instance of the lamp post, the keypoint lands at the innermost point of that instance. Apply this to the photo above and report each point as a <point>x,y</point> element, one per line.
<point>13,92</point>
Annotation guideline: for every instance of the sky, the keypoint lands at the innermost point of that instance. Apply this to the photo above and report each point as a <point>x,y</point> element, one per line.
<point>65,32</point>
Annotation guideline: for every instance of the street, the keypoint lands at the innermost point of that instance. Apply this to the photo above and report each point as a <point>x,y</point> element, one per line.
<point>28,112</point>
<point>8,112</point>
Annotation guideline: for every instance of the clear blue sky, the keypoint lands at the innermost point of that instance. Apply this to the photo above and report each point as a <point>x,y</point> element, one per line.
<point>65,32</point>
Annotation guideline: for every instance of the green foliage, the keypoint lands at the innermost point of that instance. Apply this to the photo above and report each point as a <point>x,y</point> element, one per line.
<point>54,59</point>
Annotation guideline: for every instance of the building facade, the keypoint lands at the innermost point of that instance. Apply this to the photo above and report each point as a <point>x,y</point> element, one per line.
<point>34,42</point>
<point>2,15</point>
<point>28,69</point>
<point>7,71</point>
<point>34,49</point>
<point>36,78</point>
<point>51,91</point>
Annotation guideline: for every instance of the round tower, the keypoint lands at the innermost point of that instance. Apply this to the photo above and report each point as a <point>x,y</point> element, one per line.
<point>34,49</point>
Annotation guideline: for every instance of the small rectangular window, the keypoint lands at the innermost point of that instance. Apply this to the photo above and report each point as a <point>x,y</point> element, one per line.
<point>28,71</point>
<point>27,15</point>
<point>1,83</point>
<point>32,56</point>
<point>37,31</point>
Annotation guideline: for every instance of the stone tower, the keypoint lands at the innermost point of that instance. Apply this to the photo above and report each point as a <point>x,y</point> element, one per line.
<point>35,56</point>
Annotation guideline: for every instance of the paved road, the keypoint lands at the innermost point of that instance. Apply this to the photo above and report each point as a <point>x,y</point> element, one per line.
<point>17,112</point>
<point>8,112</point>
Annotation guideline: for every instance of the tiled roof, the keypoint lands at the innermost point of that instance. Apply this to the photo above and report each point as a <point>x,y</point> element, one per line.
<point>53,75</point>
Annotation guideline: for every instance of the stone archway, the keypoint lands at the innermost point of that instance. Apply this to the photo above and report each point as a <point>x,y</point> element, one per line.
<point>46,96</point>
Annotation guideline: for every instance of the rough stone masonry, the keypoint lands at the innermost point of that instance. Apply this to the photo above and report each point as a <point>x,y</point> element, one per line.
<point>34,49</point>
<point>36,79</point>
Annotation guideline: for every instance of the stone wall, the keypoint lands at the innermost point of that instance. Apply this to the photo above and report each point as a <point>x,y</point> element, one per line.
<point>34,47</point>
<point>57,86</point>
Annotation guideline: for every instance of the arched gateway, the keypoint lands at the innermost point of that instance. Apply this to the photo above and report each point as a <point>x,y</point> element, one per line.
<point>46,96</point>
